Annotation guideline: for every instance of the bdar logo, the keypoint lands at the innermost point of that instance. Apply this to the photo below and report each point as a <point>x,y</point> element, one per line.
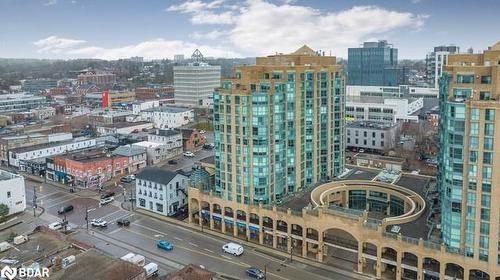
<point>8,272</point>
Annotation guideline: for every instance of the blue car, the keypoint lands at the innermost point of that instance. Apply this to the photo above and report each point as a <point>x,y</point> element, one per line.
<point>165,245</point>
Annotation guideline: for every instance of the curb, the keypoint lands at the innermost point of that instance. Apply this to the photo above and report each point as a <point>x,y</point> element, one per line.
<point>258,248</point>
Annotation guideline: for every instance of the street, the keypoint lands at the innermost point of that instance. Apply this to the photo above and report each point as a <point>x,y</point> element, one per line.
<point>189,246</point>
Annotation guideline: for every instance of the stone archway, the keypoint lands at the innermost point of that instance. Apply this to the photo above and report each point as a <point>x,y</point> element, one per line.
<point>431,268</point>
<point>369,260</point>
<point>194,211</point>
<point>282,238</point>
<point>476,274</point>
<point>205,213</point>
<point>410,270</point>
<point>229,220</point>
<point>312,243</point>
<point>389,263</point>
<point>217,217</point>
<point>241,224</point>
<point>267,224</point>
<point>297,241</point>
<point>254,227</point>
<point>341,247</point>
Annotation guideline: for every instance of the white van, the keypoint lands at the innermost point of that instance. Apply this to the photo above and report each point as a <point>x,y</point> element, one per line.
<point>233,249</point>
<point>127,257</point>
<point>138,260</point>
<point>151,269</point>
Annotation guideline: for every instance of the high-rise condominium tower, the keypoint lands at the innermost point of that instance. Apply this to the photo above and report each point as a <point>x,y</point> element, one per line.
<point>279,126</point>
<point>469,163</point>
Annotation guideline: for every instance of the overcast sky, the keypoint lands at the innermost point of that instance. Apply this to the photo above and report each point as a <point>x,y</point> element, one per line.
<point>112,29</point>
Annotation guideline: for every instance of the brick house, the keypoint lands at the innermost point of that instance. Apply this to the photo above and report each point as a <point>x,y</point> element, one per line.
<point>192,139</point>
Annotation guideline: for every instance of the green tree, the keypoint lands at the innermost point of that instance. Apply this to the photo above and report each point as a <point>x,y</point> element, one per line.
<point>4,210</point>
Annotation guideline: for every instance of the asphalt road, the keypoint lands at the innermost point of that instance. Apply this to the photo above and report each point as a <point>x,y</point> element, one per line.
<point>140,236</point>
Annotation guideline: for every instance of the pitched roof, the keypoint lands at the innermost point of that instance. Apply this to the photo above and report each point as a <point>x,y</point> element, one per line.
<point>305,50</point>
<point>191,272</point>
<point>129,150</point>
<point>496,47</point>
<point>155,174</point>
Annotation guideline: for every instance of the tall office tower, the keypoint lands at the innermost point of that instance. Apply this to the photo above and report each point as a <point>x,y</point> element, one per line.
<point>375,64</point>
<point>434,62</point>
<point>194,83</point>
<point>279,127</point>
<point>469,157</point>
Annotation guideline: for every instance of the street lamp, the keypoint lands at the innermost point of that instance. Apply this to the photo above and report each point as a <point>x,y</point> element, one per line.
<point>34,201</point>
<point>291,247</point>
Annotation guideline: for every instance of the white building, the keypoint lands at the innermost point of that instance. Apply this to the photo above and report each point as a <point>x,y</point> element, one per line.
<point>383,110</point>
<point>168,117</point>
<point>44,113</point>
<point>161,191</point>
<point>123,128</point>
<point>23,154</point>
<point>372,136</point>
<point>138,107</point>
<point>195,83</point>
<point>20,102</point>
<point>12,191</point>
<point>170,137</point>
<point>402,91</point>
<point>157,152</point>
<point>435,61</point>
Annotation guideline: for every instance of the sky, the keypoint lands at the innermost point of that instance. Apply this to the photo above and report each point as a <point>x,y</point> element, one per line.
<point>113,29</point>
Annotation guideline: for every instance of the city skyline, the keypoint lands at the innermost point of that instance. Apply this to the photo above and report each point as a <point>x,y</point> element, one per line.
<point>224,28</point>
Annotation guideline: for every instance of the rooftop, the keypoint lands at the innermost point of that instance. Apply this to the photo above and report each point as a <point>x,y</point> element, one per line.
<point>191,272</point>
<point>129,150</point>
<point>124,124</point>
<point>147,144</point>
<point>90,155</point>
<point>167,109</point>
<point>167,132</point>
<point>47,145</point>
<point>6,175</point>
<point>371,125</point>
<point>155,174</point>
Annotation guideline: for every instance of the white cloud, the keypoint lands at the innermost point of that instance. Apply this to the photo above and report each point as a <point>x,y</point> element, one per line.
<point>261,27</point>
<point>152,49</point>
<point>50,3</point>
<point>203,12</point>
<point>265,28</point>
<point>212,35</point>
<point>54,44</point>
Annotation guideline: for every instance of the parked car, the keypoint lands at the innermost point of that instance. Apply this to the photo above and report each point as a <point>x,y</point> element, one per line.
<point>208,146</point>
<point>55,226</point>
<point>202,131</point>
<point>99,223</point>
<point>255,273</point>
<point>233,249</point>
<point>126,179</point>
<point>106,200</point>
<point>65,209</point>
<point>172,162</point>
<point>165,245</point>
<point>188,154</point>
<point>123,222</point>
<point>107,194</point>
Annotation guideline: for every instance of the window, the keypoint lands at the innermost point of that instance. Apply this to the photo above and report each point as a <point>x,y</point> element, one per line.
<point>489,115</point>
<point>484,95</point>
<point>485,79</point>
<point>142,202</point>
<point>8,194</point>
<point>159,207</point>
<point>465,79</point>
<point>488,157</point>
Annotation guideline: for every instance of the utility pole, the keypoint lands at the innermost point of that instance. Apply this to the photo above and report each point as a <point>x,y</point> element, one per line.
<point>291,249</point>
<point>265,271</point>
<point>87,216</point>
<point>34,201</point>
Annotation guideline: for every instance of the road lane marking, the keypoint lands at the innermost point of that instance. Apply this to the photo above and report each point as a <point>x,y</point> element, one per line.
<point>229,258</point>
<point>195,245</point>
<point>208,250</point>
<point>110,214</point>
<point>121,217</point>
<point>114,231</point>
<point>44,196</point>
<point>60,202</point>
<point>158,235</point>
<point>178,238</point>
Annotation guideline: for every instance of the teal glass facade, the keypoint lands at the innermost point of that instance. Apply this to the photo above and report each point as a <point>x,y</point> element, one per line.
<point>286,133</point>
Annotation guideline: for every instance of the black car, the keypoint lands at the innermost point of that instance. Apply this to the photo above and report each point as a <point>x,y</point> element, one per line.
<point>255,273</point>
<point>107,194</point>
<point>123,222</point>
<point>172,161</point>
<point>65,209</point>
<point>208,146</point>
<point>126,179</point>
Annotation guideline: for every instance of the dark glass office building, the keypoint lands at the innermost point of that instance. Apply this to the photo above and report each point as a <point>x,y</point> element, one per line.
<point>375,64</point>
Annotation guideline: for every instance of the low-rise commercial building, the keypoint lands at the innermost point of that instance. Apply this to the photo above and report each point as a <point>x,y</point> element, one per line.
<point>37,85</point>
<point>19,102</point>
<point>12,191</point>
<point>136,157</point>
<point>108,117</point>
<point>112,98</point>
<point>168,117</point>
<point>192,139</point>
<point>172,138</point>
<point>86,169</point>
<point>161,191</point>
<point>123,128</point>
<point>380,109</point>
<point>154,92</point>
<point>43,113</point>
<point>373,136</point>
<point>402,91</point>
<point>140,106</point>
<point>19,156</point>
<point>156,152</point>
<point>96,77</point>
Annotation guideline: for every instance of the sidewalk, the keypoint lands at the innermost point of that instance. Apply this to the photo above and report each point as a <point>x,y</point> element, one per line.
<point>259,248</point>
